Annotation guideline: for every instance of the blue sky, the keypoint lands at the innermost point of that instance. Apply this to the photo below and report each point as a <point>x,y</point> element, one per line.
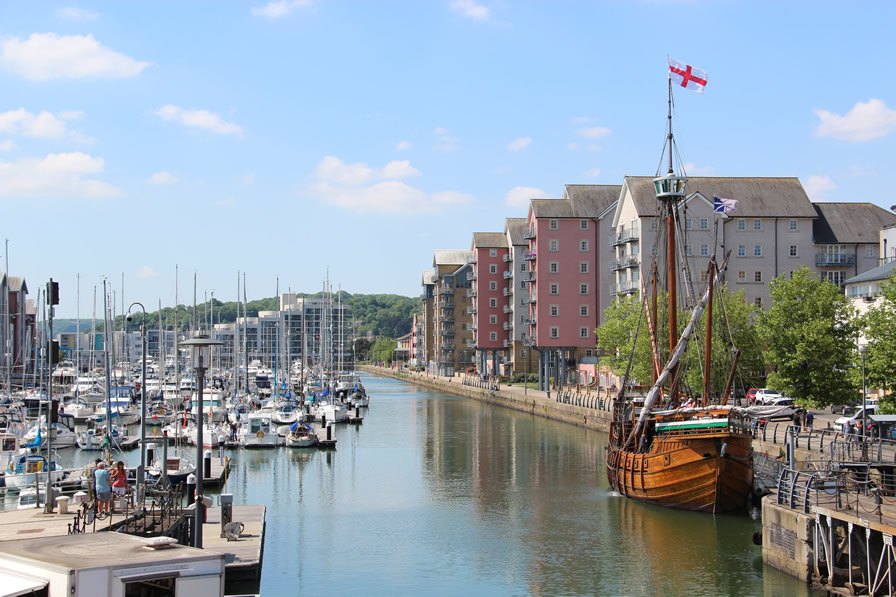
<point>287,138</point>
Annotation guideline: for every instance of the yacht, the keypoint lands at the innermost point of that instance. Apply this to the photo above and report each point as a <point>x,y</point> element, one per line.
<point>258,432</point>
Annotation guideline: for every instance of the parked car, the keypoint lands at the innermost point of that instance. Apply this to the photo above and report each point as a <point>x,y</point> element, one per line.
<point>751,395</point>
<point>856,414</point>
<point>765,396</point>
<point>843,408</point>
<point>786,406</point>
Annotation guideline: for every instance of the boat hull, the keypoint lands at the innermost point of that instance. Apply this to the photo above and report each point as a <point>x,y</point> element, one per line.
<point>705,472</point>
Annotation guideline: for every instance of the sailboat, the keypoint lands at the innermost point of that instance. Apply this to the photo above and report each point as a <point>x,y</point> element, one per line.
<point>699,457</point>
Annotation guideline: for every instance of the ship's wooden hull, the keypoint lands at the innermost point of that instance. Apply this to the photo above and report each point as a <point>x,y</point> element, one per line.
<point>687,471</point>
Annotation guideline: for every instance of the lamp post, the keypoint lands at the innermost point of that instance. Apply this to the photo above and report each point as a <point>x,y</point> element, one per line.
<point>200,348</point>
<point>141,470</point>
<point>863,350</point>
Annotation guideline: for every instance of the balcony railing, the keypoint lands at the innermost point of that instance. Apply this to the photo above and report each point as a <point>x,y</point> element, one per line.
<point>508,274</point>
<point>534,298</point>
<point>471,310</point>
<point>508,308</point>
<point>508,326</point>
<point>530,255</point>
<point>508,257</point>
<point>824,260</point>
<point>624,288</point>
<point>506,292</point>
<point>529,234</point>
<point>626,234</point>
<point>625,262</point>
<point>471,292</point>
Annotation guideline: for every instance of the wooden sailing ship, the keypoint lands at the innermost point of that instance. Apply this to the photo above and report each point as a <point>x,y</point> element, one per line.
<point>696,457</point>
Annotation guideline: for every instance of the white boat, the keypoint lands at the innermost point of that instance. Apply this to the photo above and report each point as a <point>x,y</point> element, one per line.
<point>89,388</point>
<point>121,409</point>
<point>331,412</point>
<point>285,413</point>
<point>177,467</point>
<point>301,435</point>
<point>28,499</point>
<point>213,408</point>
<point>81,410</point>
<point>95,439</point>
<point>63,436</point>
<point>212,435</point>
<point>258,432</point>
<point>28,469</point>
<point>158,415</point>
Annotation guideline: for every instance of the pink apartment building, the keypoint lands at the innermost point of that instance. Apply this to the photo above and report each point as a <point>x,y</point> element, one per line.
<point>566,253</point>
<point>489,305</point>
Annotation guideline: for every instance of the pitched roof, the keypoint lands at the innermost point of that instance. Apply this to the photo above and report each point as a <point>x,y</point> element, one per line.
<point>757,197</point>
<point>591,200</point>
<point>17,284</point>
<point>881,272</point>
<point>551,208</point>
<point>516,227</point>
<point>450,257</point>
<point>850,222</point>
<point>489,239</point>
<point>429,276</point>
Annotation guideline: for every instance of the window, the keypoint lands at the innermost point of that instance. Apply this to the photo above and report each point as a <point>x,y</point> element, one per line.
<point>757,250</point>
<point>583,332</point>
<point>689,224</point>
<point>554,246</point>
<point>871,251</point>
<point>583,245</point>
<point>555,332</point>
<point>589,352</point>
<point>554,289</point>
<point>757,276</point>
<point>792,226</point>
<point>758,301</point>
<point>703,276</point>
<point>553,267</point>
<point>704,223</point>
<point>741,225</point>
<point>493,269</point>
<point>741,250</point>
<point>757,224</point>
<point>583,267</point>
<point>654,224</point>
<point>493,319</point>
<point>583,224</point>
<point>834,277</point>
<point>493,285</point>
<point>793,251</point>
<point>493,252</point>
<point>653,251</point>
<point>522,283</point>
<point>704,250</point>
<point>522,319</point>
<point>583,310</point>
<point>524,267</point>
<point>493,336</point>
<point>687,250</point>
<point>741,277</point>
<point>492,302</point>
<point>552,224</point>
<point>583,289</point>
<point>555,310</point>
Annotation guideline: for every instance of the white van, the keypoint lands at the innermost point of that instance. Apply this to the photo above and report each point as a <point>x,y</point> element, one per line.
<point>856,415</point>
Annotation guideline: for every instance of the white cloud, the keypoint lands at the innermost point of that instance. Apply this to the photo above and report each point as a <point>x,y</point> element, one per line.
<point>399,169</point>
<point>817,186</point>
<point>42,125</point>
<point>445,141</point>
<point>594,132</point>
<point>359,187</point>
<point>201,119</point>
<point>592,173</point>
<point>278,8</point>
<point>72,13</point>
<point>693,169</point>
<point>45,56</point>
<point>7,145</point>
<point>402,145</point>
<point>519,143</point>
<point>63,175</point>
<point>865,122</point>
<point>470,9</point>
<point>162,178</point>
<point>147,272</point>
<point>519,196</point>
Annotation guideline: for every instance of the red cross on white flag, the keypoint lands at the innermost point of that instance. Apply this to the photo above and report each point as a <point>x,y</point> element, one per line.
<point>687,76</point>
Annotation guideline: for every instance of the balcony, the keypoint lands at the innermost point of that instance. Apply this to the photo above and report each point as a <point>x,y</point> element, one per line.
<point>447,346</point>
<point>507,257</point>
<point>530,278</point>
<point>529,234</point>
<point>506,292</point>
<point>472,258</point>
<point>471,276</point>
<point>507,309</point>
<point>446,305</point>
<point>626,235</point>
<point>534,298</point>
<point>624,263</point>
<point>824,260</point>
<point>506,343</point>
<point>474,327</point>
<point>471,310</point>
<point>529,256</point>
<point>508,274</point>
<point>471,292</point>
<point>624,289</point>
<point>448,332</point>
<point>508,326</point>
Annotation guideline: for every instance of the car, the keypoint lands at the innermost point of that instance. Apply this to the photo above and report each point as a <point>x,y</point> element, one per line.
<point>751,395</point>
<point>786,408</point>
<point>765,395</point>
<point>855,415</point>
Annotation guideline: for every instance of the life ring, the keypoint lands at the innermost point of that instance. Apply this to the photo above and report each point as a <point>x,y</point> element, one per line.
<point>259,434</point>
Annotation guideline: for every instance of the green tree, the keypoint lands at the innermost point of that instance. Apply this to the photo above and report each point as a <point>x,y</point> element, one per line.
<point>809,336</point>
<point>618,334</point>
<point>880,330</point>
<point>362,349</point>
<point>383,349</point>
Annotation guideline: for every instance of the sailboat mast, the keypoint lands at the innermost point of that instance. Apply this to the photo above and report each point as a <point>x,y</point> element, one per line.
<point>108,364</point>
<point>78,326</point>
<point>671,258</point>
<point>707,360</point>
<point>6,326</point>
<point>236,340</point>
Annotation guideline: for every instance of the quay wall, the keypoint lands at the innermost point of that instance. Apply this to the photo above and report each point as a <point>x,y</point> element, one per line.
<point>786,539</point>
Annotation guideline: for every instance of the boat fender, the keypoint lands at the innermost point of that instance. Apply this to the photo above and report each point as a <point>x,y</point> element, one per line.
<point>722,451</point>
<point>757,538</point>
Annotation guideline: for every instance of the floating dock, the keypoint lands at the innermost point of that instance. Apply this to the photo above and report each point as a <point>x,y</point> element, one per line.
<point>243,557</point>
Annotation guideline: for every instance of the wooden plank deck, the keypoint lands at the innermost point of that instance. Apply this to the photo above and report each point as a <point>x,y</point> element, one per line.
<point>242,558</point>
<point>219,472</point>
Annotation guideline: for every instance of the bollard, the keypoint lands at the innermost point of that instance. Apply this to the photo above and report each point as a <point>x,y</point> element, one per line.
<point>62,502</point>
<point>226,501</point>
<point>329,432</point>
<point>357,412</point>
<point>221,450</point>
<point>323,420</point>
<point>207,464</point>
<point>191,488</point>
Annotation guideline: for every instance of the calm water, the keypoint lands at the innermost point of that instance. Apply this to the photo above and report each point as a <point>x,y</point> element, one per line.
<point>440,495</point>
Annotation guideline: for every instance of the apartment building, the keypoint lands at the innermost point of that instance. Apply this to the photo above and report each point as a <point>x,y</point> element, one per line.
<point>565,252</point>
<point>428,314</point>
<point>888,242</point>
<point>521,357</point>
<point>848,239</point>
<point>489,306</point>
<point>18,335</point>
<point>453,344</point>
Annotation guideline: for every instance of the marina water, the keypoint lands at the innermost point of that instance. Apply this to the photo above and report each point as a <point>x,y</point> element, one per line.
<point>440,495</point>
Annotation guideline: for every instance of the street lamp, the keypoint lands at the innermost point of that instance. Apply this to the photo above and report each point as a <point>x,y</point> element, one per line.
<point>200,348</point>
<point>863,350</point>
<point>141,470</point>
